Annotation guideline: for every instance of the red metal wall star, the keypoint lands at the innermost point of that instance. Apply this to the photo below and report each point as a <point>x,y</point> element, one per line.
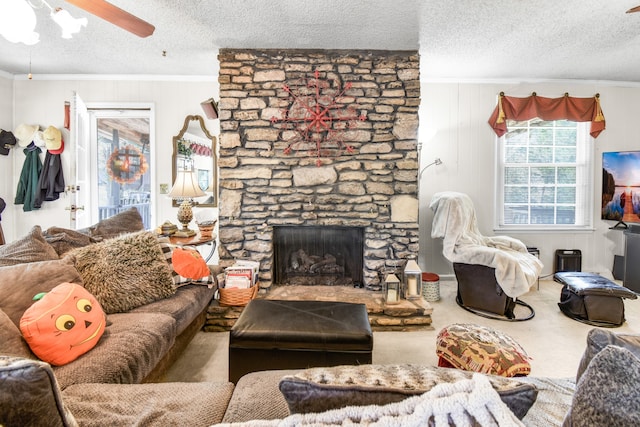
<point>318,119</point>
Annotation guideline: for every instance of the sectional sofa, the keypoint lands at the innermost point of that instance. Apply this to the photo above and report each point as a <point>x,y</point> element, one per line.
<point>119,381</point>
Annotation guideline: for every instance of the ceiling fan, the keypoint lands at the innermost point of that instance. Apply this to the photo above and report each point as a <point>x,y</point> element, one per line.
<point>634,9</point>
<point>116,16</point>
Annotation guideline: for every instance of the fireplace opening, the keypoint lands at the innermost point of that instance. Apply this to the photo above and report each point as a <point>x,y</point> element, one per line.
<point>318,255</point>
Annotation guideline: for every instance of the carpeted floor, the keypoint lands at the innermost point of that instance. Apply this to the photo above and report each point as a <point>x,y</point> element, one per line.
<point>553,341</point>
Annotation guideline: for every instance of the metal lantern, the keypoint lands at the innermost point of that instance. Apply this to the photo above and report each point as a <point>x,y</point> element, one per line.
<point>412,280</point>
<point>391,289</point>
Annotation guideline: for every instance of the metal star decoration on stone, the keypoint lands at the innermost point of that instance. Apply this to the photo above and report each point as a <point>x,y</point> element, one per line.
<point>319,118</point>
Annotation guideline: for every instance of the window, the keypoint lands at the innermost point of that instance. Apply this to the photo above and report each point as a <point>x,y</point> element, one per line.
<point>545,176</point>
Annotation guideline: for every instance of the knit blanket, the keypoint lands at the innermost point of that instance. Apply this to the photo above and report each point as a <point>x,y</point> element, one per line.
<point>471,402</point>
<point>455,222</point>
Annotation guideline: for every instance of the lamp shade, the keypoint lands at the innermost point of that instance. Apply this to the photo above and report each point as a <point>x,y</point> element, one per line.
<point>185,186</point>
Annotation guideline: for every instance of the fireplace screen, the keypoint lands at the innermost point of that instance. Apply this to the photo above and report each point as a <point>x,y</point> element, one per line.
<point>318,255</point>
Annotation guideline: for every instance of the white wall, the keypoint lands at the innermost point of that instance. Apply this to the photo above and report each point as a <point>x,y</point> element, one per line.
<point>41,102</point>
<point>453,126</point>
<point>6,165</point>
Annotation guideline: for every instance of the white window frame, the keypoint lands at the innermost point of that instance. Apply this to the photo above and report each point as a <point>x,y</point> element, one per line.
<point>584,188</point>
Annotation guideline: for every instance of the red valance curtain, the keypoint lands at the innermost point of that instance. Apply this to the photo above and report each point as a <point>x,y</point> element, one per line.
<point>565,108</point>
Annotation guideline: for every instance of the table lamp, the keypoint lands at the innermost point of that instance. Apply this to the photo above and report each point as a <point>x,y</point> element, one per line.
<point>185,188</point>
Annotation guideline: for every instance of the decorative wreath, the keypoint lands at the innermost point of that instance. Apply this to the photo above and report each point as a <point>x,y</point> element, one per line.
<point>125,165</point>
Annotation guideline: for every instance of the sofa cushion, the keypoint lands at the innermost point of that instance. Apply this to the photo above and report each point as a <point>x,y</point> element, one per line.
<point>11,341</point>
<point>20,283</point>
<point>63,239</point>
<point>481,349</point>
<point>64,324</point>
<point>161,404</point>
<point>30,395</point>
<point>128,221</point>
<point>125,272</point>
<point>257,397</point>
<point>130,348</point>
<point>607,392</point>
<point>598,339</point>
<point>184,306</point>
<point>320,389</point>
<point>30,248</point>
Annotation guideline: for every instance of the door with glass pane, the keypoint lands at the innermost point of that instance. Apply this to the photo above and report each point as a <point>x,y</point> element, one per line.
<point>122,156</point>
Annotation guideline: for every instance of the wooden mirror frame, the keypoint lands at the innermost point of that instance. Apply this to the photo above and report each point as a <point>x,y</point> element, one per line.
<point>214,157</point>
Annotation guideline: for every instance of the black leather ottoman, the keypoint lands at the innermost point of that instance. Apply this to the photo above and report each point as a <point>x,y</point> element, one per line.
<point>273,334</point>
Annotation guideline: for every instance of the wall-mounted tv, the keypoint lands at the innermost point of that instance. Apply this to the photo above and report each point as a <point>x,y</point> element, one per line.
<point>621,187</point>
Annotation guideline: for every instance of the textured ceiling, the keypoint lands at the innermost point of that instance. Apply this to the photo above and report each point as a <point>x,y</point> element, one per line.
<point>473,39</point>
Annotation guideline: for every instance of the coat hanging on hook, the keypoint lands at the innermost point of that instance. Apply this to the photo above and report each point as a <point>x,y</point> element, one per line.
<point>7,141</point>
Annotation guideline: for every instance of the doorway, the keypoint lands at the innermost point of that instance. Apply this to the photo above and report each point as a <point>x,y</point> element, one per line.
<point>120,161</point>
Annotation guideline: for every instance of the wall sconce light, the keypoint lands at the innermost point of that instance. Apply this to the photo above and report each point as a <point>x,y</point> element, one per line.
<point>210,108</point>
<point>436,162</point>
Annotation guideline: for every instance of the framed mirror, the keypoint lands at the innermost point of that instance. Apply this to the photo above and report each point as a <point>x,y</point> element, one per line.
<point>194,148</point>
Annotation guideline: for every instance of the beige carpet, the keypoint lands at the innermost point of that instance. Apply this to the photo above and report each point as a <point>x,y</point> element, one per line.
<point>554,342</point>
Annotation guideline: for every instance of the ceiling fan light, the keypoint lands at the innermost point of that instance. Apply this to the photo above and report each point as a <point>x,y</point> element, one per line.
<point>17,22</point>
<point>68,23</point>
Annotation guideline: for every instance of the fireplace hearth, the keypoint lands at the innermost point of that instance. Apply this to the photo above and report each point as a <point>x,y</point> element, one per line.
<point>318,255</point>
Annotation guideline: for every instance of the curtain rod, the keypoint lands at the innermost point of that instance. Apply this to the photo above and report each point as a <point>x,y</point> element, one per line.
<point>597,95</point>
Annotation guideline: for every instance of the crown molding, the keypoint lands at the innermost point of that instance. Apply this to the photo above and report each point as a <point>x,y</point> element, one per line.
<point>115,77</point>
<point>518,81</point>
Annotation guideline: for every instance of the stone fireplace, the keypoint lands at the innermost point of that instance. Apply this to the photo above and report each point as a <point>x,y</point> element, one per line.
<point>371,187</point>
<point>318,255</point>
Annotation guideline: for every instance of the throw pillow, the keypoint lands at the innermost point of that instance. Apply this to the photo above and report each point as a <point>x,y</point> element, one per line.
<point>19,283</point>
<point>125,272</point>
<point>63,240</point>
<point>598,339</point>
<point>321,389</point>
<point>30,392</point>
<point>30,248</point>
<point>189,268</point>
<point>11,341</point>
<point>481,349</point>
<point>128,221</point>
<point>64,324</point>
<point>607,392</point>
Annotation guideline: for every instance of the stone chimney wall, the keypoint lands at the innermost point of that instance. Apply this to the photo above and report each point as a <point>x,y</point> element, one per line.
<point>374,186</point>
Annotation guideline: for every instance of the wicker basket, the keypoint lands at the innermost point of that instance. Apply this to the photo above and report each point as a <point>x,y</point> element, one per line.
<point>237,297</point>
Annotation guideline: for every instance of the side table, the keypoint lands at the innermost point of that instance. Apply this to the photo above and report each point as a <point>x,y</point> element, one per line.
<point>196,240</point>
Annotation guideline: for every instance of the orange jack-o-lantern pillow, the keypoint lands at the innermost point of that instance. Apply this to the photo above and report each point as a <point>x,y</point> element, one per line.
<point>64,324</point>
<point>189,263</point>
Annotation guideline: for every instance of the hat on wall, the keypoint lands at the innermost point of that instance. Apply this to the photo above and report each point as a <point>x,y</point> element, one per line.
<point>6,139</point>
<point>38,138</point>
<point>52,138</point>
<point>25,134</point>
<point>59,150</point>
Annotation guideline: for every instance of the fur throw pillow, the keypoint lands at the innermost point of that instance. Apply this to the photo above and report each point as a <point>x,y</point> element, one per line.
<point>125,272</point>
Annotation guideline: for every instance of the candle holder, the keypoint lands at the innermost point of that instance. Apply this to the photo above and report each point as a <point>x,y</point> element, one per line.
<point>412,285</point>
<point>391,289</point>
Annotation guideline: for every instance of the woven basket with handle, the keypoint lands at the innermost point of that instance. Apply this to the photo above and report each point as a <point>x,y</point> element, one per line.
<point>237,297</point>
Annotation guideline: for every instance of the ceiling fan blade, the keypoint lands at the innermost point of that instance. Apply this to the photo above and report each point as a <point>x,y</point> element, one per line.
<point>634,9</point>
<point>116,16</point>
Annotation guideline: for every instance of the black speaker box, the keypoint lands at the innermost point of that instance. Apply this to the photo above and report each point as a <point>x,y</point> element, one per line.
<point>568,260</point>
